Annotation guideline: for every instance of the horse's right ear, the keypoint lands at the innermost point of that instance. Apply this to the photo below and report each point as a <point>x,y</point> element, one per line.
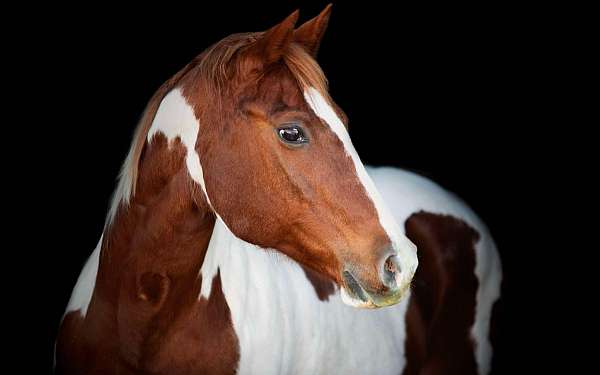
<point>309,35</point>
<point>272,44</point>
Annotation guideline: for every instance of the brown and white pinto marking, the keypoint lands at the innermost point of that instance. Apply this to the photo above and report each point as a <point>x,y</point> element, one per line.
<point>243,214</point>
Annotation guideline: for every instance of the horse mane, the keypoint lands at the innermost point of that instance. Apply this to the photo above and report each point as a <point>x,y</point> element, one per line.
<point>212,68</point>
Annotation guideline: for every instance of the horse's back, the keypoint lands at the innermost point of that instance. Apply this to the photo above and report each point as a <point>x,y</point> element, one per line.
<point>458,279</point>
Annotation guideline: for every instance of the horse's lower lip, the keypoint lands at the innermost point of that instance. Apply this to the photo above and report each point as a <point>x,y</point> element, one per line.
<point>359,297</point>
<point>354,288</point>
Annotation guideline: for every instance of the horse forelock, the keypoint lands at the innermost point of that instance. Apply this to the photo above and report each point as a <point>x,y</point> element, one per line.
<point>217,63</point>
<point>211,73</point>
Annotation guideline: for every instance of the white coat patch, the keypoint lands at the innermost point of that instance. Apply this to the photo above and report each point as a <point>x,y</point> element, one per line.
<point>175,118</point>
<point>283,327</point>
<point>82,293</point>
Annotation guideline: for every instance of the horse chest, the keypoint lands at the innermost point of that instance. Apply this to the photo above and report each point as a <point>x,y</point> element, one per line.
<point>283,327</point>
<point>301,334</point>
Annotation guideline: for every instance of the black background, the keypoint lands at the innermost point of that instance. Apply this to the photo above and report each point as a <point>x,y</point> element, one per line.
<point>453,93</point>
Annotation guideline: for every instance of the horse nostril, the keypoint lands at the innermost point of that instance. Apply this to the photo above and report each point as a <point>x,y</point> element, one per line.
<point>391,267</point>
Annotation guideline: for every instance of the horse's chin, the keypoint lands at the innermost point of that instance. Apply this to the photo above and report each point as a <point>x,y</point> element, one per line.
<point>352,300</point>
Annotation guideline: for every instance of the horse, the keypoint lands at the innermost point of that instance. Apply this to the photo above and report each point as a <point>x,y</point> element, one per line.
<point>246,236</point>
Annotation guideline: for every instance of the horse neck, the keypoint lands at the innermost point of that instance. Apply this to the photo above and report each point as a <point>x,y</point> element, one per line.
<point>153,250</point>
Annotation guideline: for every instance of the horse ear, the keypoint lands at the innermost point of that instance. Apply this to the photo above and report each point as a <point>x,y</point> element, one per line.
<point>311,32</point>
<point>271,45</point>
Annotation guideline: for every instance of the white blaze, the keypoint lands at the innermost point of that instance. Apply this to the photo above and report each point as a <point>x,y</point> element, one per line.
<point>406,250</point>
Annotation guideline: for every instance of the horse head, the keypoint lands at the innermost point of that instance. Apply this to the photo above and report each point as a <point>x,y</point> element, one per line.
<point>279,167</point>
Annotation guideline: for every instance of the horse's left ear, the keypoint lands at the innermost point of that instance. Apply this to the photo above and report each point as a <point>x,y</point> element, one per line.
<point>272,44</point>
<point>309,35</point>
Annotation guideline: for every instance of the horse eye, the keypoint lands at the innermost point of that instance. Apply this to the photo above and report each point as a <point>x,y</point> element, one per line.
<point>292,134</point>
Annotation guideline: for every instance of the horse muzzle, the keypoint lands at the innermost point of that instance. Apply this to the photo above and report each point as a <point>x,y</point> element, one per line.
<point>394,284</point>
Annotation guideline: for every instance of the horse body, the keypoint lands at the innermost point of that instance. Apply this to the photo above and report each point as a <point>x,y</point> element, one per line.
<point>226,254</point>
<point>284,325</point>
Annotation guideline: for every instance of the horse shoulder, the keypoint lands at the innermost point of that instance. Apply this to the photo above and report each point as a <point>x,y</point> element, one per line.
<point>186,335</point>
<point>458,279</point>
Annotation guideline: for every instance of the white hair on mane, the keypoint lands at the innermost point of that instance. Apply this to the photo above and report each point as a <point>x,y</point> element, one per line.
<point>125,183</point>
